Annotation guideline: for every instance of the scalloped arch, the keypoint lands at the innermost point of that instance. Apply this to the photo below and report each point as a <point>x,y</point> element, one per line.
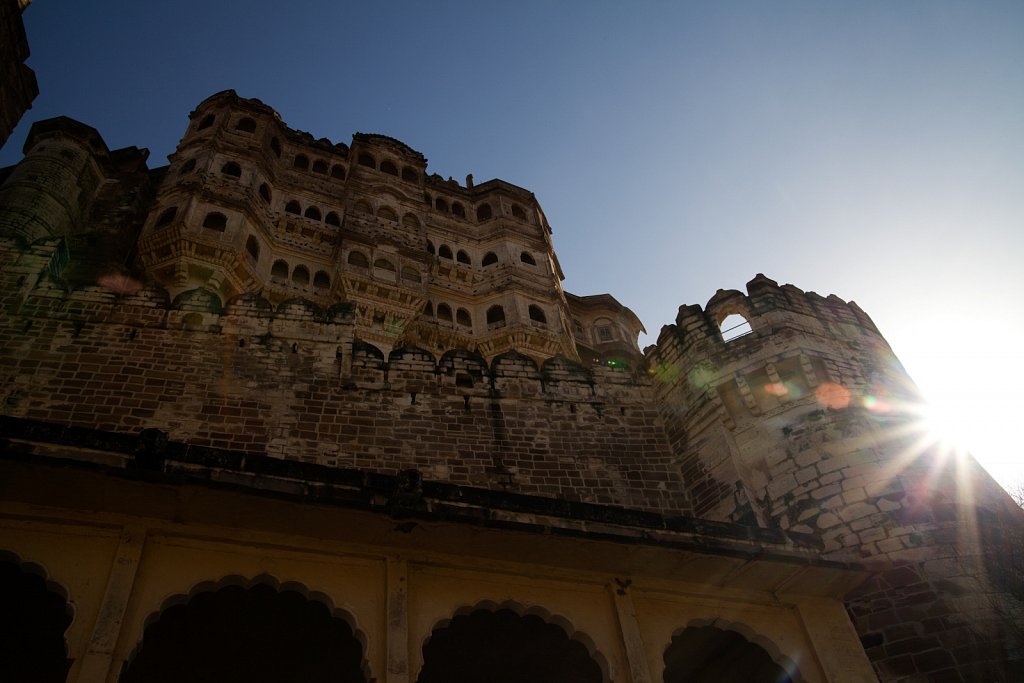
<point>271,581</point>
<point>529,610</point>
<point>751,636</point>
<point>51,586</point>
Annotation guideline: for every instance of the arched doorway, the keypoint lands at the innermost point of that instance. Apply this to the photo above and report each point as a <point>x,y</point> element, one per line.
<point>500,646</point>
<point>706,654</point>
<point>33,618</point>
<point>248,635</point>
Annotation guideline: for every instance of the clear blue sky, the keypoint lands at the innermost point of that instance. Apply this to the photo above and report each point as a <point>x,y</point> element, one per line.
<point>874,150</point>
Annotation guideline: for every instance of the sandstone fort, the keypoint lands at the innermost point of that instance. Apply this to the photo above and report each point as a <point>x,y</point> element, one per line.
<point>294,409</point>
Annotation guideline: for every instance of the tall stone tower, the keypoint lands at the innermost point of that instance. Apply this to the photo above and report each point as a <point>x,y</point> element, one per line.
<point>808,424</point>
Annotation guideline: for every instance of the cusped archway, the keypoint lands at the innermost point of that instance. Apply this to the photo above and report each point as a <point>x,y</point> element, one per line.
<point>507,643</point>
<point>705,653</point>
<point>34,615</point>
<point>249,631</point>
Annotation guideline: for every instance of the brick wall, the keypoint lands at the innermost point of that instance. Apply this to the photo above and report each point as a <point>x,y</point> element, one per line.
<point>293,383</point>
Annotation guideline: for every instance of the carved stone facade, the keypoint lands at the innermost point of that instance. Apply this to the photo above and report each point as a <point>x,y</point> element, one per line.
<point>311,383</point>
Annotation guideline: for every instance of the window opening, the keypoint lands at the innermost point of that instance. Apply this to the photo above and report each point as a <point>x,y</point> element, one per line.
<point>215,221</point>
<point>734,326</point>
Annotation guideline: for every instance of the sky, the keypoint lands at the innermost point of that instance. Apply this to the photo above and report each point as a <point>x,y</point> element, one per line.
<point>872,150</point>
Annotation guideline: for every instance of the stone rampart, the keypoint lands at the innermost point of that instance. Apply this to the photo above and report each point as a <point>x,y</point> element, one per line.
<point>293,382</point>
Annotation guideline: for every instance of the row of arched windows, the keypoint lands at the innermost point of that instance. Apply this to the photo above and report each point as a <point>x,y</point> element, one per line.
<point>484,212</point>
<point>320,166</point>
<point>266,632</point>
<point>363,207</point>
<point>408,173</point>
<point>299,275</point>
<point>312,213</point>
<point>443,313</point>
<point>214,220</point>
<point>489,259</point>
<point>383,267</point>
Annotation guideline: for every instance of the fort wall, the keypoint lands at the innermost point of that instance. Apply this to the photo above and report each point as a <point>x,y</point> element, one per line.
<point>292,382</point>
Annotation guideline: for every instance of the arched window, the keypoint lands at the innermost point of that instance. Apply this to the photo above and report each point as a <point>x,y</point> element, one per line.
<point>320,166</point>
<point>503,646</point>
<point>338,171</point>
<point>462,318</point>
<point>231,169</point>
<point>188,166</point>
<point>215,221</point>
<point>458,210</point>
<point>332,219</point>
<point>293,207</point>
<point>313,212</point>
<point>166,217</point>
<point>275,147</point>
<point>444,312</point>
<point>206,122</point>
<point>301,161</point>
<point>441,205</point>
<point>389,168</point>
<point>490,258</point>
<point>537,314</point>
<point>388,213</point>
<point>279,269</point>
<point>409,174</point>
<point>429,310</point>
<point>33,620</point>
<point>707,654</point>
<point>265,192</point>
<point>322,280</point>
<point>384,265</point>
<point>430,247</point>
<point>300,275</point>
<point>363,206</point>
<point>246,125</point>
<point>527,258</point>
<point>367,160</point>
<point>248,634</point>
<point>463,257</point>
<point>358,259</point>
<point>517,211</point>
<point>253,247</point>
<point>734,326</point>
<point>483,213</point>
<point>495,316</point>
<point>411,274</point>
<point>444,251</point>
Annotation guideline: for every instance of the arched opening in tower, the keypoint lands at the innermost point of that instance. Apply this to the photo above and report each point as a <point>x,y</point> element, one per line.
<point>502,647</point>
<point>32,624</point>
<point>248,635</point>
<point>711,655</point>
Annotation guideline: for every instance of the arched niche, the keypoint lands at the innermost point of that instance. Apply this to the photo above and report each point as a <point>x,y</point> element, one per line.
<point>258,630</point>
<point>34,615</point>
<point>713,651</point>
<point>510,643</point>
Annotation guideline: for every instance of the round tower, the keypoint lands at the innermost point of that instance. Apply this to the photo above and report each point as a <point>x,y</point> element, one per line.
<point>808,422</point>
<point>49,192</point>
